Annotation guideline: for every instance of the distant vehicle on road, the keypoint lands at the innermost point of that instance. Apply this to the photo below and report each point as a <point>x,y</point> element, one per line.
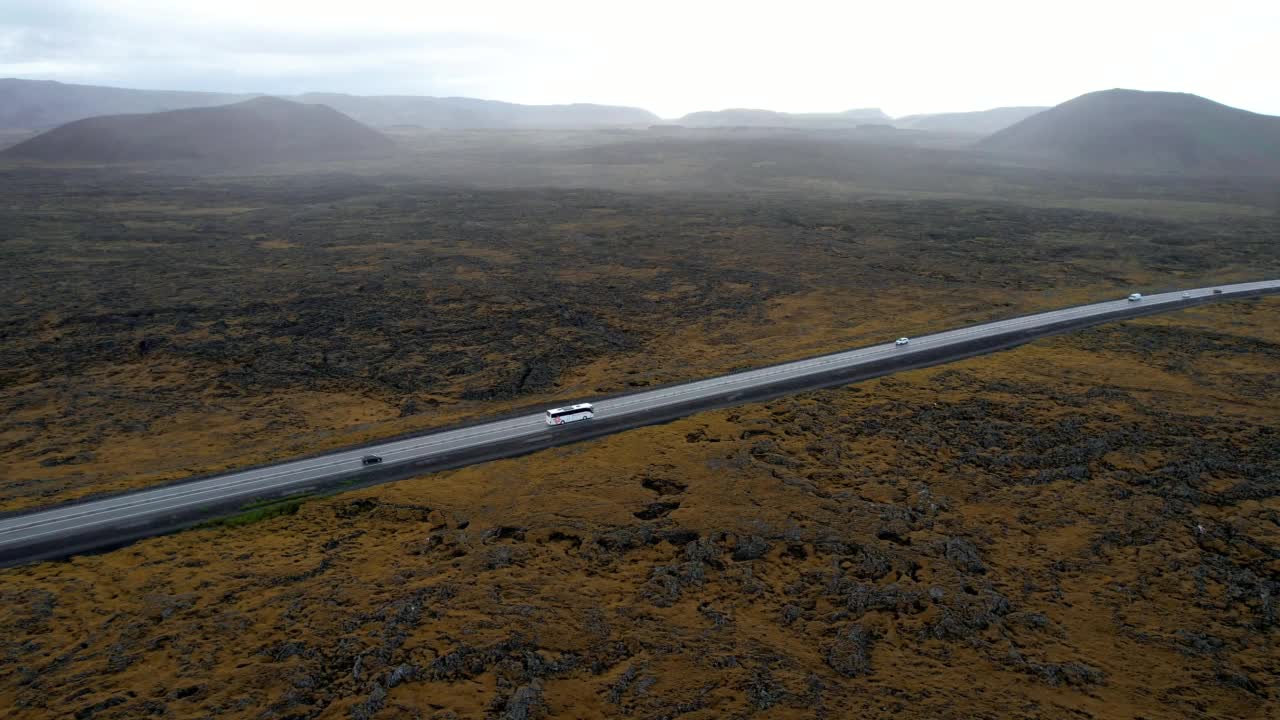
<point>1186,295</point>
<point>1135,297</point>
<point>902,341</point>
<point>370,460</point>
<point>1217,291</point>
<point>573,413</point>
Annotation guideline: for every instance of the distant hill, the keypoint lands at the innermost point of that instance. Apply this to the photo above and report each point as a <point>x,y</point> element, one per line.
<point>740,117</point>
<point>457,113</point>
<point>982,122</point>
<point>254,131</point>
<point>1130,131</point>
<point>32,104</point>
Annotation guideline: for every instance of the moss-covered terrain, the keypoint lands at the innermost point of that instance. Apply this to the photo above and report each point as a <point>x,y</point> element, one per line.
<point>156,327</point>
<point>1086,526</point>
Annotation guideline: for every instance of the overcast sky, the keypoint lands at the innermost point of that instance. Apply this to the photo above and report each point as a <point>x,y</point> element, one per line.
<point>669,57</point>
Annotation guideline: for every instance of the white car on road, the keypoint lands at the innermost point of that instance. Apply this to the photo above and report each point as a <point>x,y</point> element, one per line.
<point>1135,297</point>
<point>901,341</point>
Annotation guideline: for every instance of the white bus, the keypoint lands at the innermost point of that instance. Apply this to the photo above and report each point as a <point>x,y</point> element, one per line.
<point>573,413</point>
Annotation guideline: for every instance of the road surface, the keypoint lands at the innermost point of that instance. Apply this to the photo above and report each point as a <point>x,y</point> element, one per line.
<point>65,529</point>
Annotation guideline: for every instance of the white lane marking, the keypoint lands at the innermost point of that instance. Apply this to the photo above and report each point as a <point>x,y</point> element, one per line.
<point>809,367</point>
<point>861,355</point>
<point>799,369</point>
<point>242,489</point>
<point>239,479</point>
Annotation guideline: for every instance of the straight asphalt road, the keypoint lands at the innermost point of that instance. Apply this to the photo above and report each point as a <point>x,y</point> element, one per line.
<point>78,526</point>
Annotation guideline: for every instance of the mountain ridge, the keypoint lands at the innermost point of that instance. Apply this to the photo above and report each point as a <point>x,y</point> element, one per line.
<point>752,117</point>
<point>43,104</point>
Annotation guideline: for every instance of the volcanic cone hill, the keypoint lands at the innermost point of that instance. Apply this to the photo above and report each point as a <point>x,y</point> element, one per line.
<point>1130,131</point>
<point>260,130</point>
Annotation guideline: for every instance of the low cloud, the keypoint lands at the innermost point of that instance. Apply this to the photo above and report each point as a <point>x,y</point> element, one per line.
<point>670,57</point>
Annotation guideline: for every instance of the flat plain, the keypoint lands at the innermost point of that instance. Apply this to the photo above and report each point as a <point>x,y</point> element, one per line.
<point>999,537</point>
<point>159,326</point>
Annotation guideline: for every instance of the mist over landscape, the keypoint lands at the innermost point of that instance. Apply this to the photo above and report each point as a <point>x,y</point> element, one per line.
<point>518,361</point>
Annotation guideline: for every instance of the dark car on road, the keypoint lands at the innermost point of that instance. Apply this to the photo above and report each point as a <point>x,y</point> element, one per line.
<point>370,460</point>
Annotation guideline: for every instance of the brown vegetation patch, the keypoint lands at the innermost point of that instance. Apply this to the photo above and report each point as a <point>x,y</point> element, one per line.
<point>1001,537</point>
<point>211,323</point>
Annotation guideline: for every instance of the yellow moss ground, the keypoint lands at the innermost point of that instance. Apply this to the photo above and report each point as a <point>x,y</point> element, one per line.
<point>1074,528</point>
